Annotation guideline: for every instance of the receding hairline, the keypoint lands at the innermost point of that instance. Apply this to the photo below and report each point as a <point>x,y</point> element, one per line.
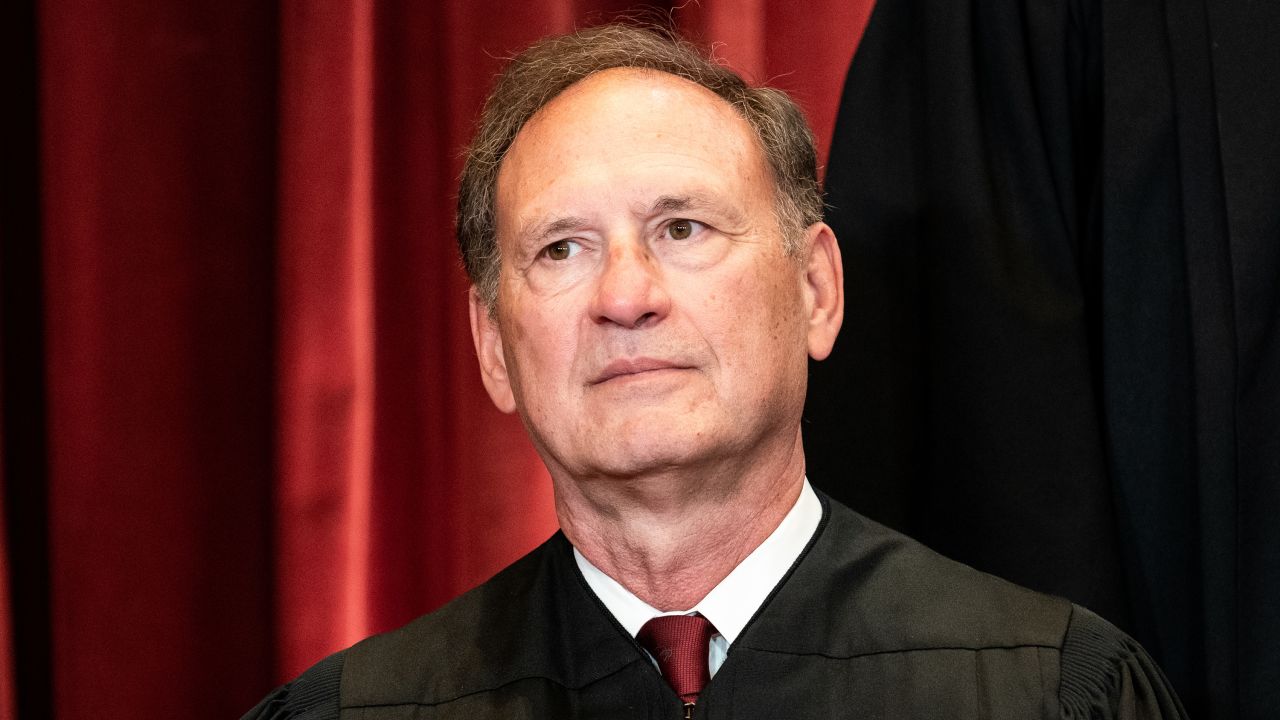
<point>584,84</point>
<point>639,71</point>
<point>551,66</point>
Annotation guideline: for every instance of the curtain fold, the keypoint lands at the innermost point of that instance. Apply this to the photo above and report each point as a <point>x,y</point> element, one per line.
<point>325,386</point>
<point>157,205</point>
<point>267,436</point>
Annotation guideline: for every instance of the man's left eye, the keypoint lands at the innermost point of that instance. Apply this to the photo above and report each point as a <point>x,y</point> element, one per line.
<point>682,229</point>
<point>562,249</point>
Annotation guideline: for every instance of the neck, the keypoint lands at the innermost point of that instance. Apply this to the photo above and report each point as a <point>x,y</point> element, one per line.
<point>672,535</point>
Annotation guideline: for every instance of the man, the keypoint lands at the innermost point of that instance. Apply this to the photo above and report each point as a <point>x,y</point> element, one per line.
<point>651,275</point>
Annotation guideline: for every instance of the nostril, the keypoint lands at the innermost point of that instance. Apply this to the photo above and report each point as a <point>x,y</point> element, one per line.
<point>640,321</point>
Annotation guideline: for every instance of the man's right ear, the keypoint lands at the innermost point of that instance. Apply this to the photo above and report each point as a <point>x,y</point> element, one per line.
<point>493,364</point>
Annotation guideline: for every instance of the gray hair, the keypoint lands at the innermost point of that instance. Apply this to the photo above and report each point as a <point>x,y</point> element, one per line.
<point>540,73</point>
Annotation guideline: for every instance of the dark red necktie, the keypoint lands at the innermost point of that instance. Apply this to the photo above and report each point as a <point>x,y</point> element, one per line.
<point>679,643</point>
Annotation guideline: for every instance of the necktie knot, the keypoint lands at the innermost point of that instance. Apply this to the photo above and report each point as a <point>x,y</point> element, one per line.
<point>679,644</point>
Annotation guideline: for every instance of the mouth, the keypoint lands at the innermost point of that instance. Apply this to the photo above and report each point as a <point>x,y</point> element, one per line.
<point>634,368</point>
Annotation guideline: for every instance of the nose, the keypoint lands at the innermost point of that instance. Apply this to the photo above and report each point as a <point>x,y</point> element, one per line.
<point>630,291</point>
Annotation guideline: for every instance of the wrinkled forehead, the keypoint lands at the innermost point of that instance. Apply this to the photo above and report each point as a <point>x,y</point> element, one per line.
<point>627,114</point>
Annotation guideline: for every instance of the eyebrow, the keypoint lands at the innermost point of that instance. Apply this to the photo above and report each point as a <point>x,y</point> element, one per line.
<point>679,203</point>
<point>674,203</point>
<point>535,234</point>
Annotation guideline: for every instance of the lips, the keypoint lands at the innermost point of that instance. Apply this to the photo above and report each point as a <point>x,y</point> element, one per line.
<point>634,366</point>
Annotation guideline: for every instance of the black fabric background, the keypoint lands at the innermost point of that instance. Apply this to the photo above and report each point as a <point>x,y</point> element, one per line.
<point>1061,353</point>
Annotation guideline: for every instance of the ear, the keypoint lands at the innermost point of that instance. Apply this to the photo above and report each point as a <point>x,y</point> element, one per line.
<point>493,364</point>
<point>824,289</point>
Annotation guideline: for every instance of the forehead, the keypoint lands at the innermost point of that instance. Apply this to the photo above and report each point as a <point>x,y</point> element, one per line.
<point>627,94</point>
<point>608,129</point>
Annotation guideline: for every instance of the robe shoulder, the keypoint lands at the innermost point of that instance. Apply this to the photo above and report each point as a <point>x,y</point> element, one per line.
<point>1106,674</point>
<point>313,695</point>
<point>883,592</point>
<point>528,624</point>
<point>889,599</point>
<point>520,625</point>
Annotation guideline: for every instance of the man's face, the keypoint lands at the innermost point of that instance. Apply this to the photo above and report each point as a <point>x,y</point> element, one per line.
<point>648,317</point>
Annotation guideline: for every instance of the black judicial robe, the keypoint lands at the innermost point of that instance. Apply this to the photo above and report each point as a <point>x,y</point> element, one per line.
<point>1060,360</point>
<point>866,624</point>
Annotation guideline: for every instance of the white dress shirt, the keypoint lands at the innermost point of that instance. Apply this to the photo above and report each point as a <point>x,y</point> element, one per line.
<point>733,602</point>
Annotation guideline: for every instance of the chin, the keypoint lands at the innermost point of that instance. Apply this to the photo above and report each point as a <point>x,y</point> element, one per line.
<point>640,441</point>
<point>636,456</point>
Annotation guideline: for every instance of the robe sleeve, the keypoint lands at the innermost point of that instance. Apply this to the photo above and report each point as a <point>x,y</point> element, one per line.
<point>1107,674</point>
<point>312,696</point>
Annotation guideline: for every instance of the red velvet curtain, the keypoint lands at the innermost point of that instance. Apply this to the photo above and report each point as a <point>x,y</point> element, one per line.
<point>264,436</point>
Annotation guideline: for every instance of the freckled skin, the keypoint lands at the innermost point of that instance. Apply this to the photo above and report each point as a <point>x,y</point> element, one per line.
<point>726,307</point>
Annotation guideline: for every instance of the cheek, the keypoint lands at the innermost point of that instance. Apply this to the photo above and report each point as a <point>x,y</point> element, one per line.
<point>741,326</point>
<point>539,347</point>
<point>777,317</point>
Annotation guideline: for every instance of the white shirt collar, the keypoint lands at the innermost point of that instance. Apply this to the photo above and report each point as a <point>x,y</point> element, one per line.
<point>733,602</point>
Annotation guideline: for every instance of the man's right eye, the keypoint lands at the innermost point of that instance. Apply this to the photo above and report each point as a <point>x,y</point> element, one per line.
<point>562,249</point>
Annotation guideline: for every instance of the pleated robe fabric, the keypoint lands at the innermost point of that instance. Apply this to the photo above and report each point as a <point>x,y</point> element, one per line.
<point>866,624</point>
<point>1061,355</point>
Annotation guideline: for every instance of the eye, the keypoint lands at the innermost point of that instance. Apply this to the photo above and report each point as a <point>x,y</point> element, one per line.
<point>681,229</point>
<point>562,249</point>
